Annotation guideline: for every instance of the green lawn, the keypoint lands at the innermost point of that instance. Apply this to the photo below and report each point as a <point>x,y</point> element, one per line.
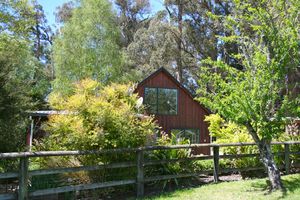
<point>246,189</point>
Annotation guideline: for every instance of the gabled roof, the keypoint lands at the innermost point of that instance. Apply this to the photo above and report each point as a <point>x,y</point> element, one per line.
<point>163,70</point>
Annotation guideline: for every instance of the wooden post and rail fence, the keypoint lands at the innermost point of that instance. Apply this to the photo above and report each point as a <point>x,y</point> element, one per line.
<point>24,174</point>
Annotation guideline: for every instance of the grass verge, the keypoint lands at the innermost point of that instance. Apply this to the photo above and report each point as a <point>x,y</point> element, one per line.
<point>255,189</point>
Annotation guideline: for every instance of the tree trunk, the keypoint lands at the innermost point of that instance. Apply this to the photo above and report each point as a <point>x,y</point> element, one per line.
<point>38,39</point>
<point>179,42</point>
<point>267,159</point>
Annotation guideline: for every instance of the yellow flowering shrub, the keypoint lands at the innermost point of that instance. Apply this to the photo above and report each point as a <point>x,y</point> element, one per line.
<point>229,132</point>
<point>97,117</point>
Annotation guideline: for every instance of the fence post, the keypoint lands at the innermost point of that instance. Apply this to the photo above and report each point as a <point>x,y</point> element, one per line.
<point>140,173</point>
<point>287,158</point>
<point>23,179</point>
<point>216,163</point>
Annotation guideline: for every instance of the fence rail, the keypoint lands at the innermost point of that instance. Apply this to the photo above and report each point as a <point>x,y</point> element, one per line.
<point>24,173</point>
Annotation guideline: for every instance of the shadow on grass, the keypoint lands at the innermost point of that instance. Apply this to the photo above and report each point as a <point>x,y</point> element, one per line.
<point>256,188</point>
<point>259,186</point>
<point>290,185</point>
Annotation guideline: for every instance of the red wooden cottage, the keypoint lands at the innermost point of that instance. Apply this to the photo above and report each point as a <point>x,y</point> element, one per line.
<point>174,108</point>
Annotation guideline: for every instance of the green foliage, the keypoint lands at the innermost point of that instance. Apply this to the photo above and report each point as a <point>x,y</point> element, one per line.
<point>204,165</point>
<point>169,168</point>
<point>98,117</point>
<point>17,63</point>
<point>265,88</point>
<point>131,17</point>
<point>177,37</point>
<point>87,46</point>
<point>226,132</point>
<point>153,47</point>
<point>293,148</point>
<point>18,94</point>
<point>229,132</point>
<point>262,93</point>
<point>23,80</point>
<point>15,18</point>
<point>24,22</point>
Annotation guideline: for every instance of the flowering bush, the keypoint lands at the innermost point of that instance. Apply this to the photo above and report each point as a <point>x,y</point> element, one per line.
<point>229,132</point>
<point>98,117</point>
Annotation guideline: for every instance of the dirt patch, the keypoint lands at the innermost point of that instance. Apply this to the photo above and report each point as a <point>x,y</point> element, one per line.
<point>231,177</point>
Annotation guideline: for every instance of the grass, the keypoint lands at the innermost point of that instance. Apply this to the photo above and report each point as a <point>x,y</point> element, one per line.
<point>255,189</point>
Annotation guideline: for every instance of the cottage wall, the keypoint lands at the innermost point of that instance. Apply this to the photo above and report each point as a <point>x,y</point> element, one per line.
<point>190,113</point>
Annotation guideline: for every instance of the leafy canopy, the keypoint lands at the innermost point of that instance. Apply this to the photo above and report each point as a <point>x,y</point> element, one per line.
<point>23,80</point>
<point>17,64</point>
<point>262,93</point>
<point>88,45</point>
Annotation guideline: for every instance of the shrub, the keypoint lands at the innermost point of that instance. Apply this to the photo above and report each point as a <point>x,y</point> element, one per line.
<point>169,168</point>
<point>205,165</point>
<point>295,158</point>
<point>97,117</point>
<point>229,132</point>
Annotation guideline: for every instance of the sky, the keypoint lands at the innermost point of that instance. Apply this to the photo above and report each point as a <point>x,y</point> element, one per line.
<point>50,5</point>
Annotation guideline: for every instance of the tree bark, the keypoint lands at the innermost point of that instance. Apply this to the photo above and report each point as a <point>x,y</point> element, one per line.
<point>267,158</point>
<point>38,39</point>
<point>179,42</point>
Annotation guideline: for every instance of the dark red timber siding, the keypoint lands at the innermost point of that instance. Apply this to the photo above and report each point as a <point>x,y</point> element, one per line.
<point>190,114</point>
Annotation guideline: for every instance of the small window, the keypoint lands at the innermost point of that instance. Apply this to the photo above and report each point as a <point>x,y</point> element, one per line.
<point>193,135</point>
<point>151,99</point>
<point>161,100</point>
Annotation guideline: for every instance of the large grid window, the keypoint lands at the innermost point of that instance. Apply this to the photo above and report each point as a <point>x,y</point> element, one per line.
<point>193,135</point>
<point>161,100</point>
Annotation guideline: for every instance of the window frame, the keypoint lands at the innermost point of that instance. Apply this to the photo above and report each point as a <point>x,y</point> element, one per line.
<point>156,103</point>
<point>194,129</point>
